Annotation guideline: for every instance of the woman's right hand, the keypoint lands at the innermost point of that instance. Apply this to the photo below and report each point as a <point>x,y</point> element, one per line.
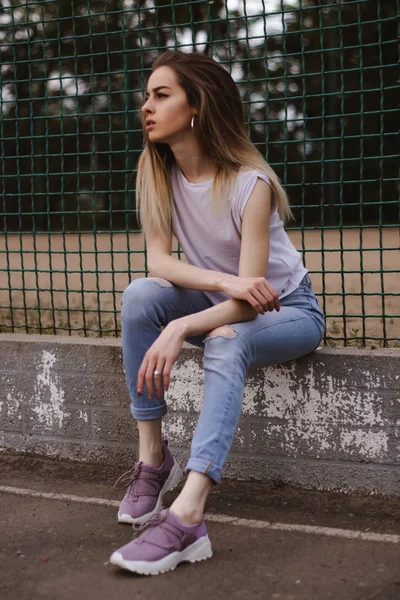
<point>257,291</point>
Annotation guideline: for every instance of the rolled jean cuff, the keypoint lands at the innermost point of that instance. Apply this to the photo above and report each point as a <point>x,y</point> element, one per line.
<point>149,414</point>
<point>206,467</point>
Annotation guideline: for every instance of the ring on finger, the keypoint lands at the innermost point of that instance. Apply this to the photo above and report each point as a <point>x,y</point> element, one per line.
<point>157,373</point>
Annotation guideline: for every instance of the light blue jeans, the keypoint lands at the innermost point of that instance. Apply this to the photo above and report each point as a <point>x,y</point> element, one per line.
<point>272,338</point>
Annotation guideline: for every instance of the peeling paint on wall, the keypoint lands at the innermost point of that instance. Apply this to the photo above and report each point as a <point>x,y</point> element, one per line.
<point>369,444</point>
<point>84,415</point>
<point>187,387</point>
<point>312,404</point>
<point>308,396</point>
<point>48,401</point>
<point>11,409</point>
<point>14,406</point>
<point>179,428</point>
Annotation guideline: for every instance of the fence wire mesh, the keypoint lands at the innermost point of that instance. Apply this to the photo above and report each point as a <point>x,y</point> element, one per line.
<point>320,84</point>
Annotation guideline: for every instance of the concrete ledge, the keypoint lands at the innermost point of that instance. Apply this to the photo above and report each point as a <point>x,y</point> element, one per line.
<point>328,421</point>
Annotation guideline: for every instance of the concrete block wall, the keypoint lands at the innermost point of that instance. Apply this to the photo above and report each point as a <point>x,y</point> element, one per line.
<point>328,421</point>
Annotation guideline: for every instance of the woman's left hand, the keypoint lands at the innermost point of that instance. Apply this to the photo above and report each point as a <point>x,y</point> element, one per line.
<point>160,357</point>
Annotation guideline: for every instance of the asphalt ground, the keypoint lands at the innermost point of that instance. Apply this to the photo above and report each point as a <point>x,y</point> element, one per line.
<point>288,544</point>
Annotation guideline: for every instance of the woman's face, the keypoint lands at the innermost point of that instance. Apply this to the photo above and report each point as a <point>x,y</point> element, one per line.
<point>166,106</point>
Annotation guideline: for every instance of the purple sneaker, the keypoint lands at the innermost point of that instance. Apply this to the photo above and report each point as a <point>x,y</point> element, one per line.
<point>147,486</point>
<point>166,543</point>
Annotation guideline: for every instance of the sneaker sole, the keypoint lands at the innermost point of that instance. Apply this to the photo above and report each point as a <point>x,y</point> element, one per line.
<point>173,479</point>
<point>199,550</point>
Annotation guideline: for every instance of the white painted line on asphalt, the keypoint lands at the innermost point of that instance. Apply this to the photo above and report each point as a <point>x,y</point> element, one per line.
<point>251,523</point>
<point>54,496</point>
<point>313,529</point>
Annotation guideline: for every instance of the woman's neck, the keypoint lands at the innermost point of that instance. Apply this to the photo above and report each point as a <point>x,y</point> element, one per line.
<point>194,165</point>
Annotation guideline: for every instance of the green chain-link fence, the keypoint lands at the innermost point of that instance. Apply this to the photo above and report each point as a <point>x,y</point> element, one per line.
<point>320,83</point>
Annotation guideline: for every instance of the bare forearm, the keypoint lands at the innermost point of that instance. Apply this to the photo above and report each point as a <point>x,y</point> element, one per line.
<point>225,313</point>
<point>187,276</point>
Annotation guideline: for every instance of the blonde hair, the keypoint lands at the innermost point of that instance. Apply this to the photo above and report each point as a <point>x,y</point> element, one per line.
<point>220,129</point>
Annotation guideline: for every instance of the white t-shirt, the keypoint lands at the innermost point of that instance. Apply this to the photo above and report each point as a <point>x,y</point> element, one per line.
<point>212,242</point>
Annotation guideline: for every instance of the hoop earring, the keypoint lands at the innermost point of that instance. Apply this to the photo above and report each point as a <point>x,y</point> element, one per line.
<point>192,122</point>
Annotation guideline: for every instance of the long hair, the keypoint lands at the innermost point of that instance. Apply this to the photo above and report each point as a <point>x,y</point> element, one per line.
<point>220,129</point>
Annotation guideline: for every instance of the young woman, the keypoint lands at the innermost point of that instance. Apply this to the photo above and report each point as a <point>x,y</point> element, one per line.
<point>244,295</point>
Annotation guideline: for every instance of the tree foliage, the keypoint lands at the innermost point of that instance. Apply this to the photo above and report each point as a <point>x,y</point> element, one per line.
<point>320,93</point>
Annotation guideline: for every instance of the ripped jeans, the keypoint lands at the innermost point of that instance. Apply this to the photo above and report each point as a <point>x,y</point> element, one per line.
<point>272,338</point>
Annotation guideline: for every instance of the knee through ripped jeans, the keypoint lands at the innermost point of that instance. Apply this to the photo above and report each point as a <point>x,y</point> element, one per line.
<point>151,303</point>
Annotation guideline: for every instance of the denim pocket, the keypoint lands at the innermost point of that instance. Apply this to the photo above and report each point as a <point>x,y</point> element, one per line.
<point>320,317</point>
<point>311,299</point>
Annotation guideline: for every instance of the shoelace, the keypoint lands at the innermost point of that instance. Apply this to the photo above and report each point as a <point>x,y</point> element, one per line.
<point>170,531</point>
<point>129,476</point>
<point>156,519</point>
<point>132,475</point>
